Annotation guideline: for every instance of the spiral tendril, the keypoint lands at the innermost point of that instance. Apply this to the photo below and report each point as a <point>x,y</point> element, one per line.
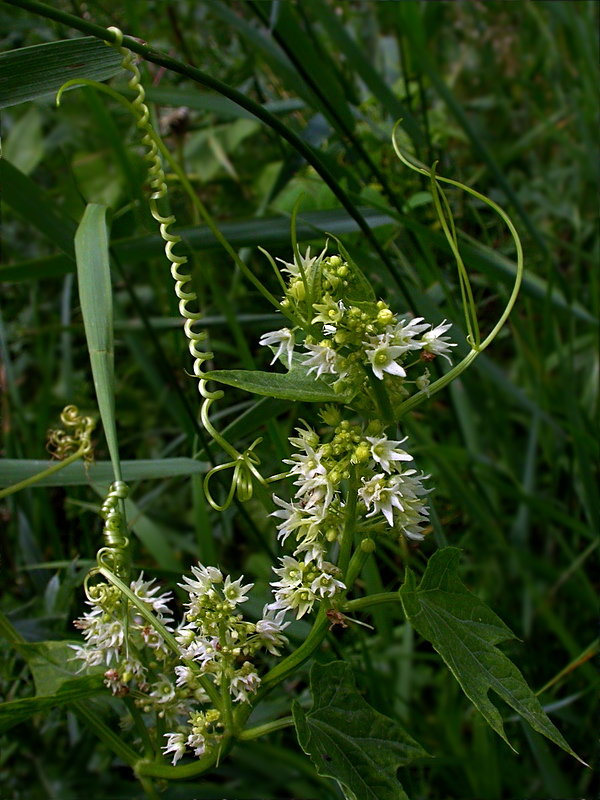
<point>77,437</point>
<point>186,296</point>
<point>113,555</point>
<point>243,463</point>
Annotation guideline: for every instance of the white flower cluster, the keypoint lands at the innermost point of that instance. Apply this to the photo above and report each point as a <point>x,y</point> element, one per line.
<point>213,640</point>
<point>119,637</point>
<point>315,518</point>
<point>354,337</point>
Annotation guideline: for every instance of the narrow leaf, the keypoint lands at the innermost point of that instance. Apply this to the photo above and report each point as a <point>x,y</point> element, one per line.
<point>95,293</point>
<point>464,631</point>
<point>80,474</point>
<point>351,742</point>
<point>40,70</point>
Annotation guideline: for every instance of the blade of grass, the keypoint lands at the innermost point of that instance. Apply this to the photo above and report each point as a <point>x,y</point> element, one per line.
<point>95,293</point>
<point>29,73</point>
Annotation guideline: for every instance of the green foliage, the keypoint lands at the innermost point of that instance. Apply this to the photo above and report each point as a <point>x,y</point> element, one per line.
<point>465,631</point>
<point>350,741</point>
<point>30,73</point>
<point>296,384</point>
<point>53,670</point>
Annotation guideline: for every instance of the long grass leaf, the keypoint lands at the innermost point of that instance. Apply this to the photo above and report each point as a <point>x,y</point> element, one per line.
<point>13,470</point>
<point>38,71</point>
<point>95,293</point>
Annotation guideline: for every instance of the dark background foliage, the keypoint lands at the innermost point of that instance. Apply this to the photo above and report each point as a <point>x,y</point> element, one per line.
<point>504,96</point>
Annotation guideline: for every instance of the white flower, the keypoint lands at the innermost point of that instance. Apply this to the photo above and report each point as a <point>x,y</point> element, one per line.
<point>312,548</point>
<point>163,691</point>
<point>403,334</point>
<point>382,356</point>
<point>385,450</point>
<point>285,342</point>
<point>185,675</point>
<point>436,344</point>
<point>146,590</point>
<point>198,743</point>
<point>205,578</point>
<point>290,572</point>
<point>294,590</point>
<point>175,744</point>
<point>326,585</point>
<point>269,629</point>
<point>246,680</point>
<point>292,516</point>
<point>235,592</point>
<point>329,312</point>
<point>384,496</point>
<point>306,261</point>
<point>300,600</point>
<point>323,359</point>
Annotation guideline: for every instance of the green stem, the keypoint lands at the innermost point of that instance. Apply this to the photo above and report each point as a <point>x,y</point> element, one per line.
<point>140,727</point>
<point>293,661</point>
<point>148,788</point>
<point>349,525</point>
<point>201,765</point>
<point>268,727</point>
<point>16,487</point>
<point>355,568</point>
<point>317,634</point>
<point>361,603</point>
<point>382,399</point>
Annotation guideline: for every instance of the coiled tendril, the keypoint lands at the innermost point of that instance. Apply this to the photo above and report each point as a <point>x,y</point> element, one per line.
<point>243,463</point>
<point>159,186</point>
<point>113,556</point>
<point>77,437</point>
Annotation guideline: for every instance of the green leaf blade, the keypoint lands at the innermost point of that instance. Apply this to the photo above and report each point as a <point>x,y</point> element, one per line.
<point>295,385</point>
<point>464,631</point>
<point>351,742</point>
<point>38,71</point>
<point>95,293</point>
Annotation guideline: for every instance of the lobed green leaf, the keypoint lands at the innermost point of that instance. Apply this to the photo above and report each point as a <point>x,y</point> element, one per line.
<point>464,631</point>
<point>351,742</point>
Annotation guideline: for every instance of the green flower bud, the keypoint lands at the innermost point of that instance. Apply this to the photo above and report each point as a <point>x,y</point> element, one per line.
<point>367,545</point>
<point>385,316</point>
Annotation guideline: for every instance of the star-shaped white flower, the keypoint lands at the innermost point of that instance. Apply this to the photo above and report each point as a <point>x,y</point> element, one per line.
<point>235,592</point>
<point>284,340</point>
<point>382,356</point>
<point>175,744</point>
<point>384,450</point>
<point>436,344</point>
<point>322,358</point>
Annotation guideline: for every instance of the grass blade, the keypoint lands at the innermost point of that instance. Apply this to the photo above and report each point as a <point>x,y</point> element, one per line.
<point>95,293</point>
<point>33,72</point>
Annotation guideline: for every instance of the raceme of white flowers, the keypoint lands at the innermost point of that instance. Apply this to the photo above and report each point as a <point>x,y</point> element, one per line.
<point>352,339</point>
<point>214,641</point>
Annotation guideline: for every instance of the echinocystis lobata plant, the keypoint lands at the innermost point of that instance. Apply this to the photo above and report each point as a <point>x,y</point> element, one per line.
<point>189,686</point>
